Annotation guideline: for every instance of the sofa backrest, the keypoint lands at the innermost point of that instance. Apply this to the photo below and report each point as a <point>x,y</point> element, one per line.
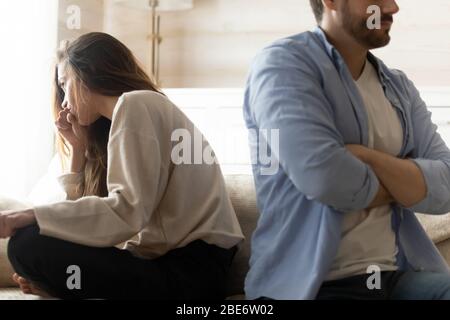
<point>241,189</point>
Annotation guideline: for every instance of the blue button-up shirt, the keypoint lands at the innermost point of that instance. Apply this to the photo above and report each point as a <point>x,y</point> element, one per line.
<point>302,87</point>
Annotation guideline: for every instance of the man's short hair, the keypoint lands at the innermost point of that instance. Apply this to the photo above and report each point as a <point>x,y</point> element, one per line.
<point>317,7</point>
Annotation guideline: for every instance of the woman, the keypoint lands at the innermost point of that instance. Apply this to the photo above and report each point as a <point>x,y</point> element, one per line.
<point>125,182</point>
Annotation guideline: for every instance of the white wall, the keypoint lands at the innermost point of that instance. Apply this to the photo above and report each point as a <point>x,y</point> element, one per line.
<point>91,18</point>
<point>420,43</point>
<point>130,26</point>
<point>213,44</point>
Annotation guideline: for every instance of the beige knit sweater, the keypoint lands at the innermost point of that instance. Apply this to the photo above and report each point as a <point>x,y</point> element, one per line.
<point>167,205</point>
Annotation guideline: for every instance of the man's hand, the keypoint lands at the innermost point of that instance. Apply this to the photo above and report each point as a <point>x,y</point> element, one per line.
<point>11,221</point>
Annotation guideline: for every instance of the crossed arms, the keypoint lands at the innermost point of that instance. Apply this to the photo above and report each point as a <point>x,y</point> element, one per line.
<point>401,180</point>
<point>286,95</point>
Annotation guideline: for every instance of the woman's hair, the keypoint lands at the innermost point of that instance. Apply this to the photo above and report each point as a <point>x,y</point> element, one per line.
<point>101,64</point>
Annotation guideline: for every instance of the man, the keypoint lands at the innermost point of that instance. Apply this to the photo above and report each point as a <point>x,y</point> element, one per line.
<point>358,155</point>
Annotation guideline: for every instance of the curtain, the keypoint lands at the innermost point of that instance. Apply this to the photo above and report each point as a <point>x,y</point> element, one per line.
<point>28,33</point>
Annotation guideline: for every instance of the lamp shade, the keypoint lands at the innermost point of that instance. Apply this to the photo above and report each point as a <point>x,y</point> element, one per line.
<point>163,5</point>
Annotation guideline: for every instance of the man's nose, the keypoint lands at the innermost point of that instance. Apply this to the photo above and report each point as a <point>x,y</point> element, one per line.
<point>390,7</point>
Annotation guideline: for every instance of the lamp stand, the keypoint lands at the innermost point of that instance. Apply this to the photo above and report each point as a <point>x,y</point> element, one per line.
<point>156,40</point>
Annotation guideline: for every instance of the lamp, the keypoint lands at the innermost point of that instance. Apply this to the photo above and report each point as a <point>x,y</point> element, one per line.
<point>157,6</point>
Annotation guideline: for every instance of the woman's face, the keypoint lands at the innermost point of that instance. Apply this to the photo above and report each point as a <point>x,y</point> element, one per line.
<point>77,98</point>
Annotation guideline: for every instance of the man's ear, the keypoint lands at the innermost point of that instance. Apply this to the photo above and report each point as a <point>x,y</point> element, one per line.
<point>330,4</point>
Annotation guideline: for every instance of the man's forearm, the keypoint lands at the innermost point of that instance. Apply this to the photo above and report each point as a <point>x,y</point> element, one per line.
<point>402,178</point>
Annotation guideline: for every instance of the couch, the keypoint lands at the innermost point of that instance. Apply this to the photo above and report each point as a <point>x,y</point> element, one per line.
<point>242,193</point>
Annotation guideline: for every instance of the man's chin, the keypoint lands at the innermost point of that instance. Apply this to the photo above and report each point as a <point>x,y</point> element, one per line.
<point>378,41</point>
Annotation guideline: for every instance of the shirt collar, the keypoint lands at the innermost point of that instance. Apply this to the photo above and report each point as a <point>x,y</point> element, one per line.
<point>323,38</point>
<point>336,57</point>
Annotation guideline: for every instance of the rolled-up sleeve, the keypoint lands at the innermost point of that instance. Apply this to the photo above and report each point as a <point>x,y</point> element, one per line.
<point>285,94</point>
<point>71,184</point>
<point>432,156</point>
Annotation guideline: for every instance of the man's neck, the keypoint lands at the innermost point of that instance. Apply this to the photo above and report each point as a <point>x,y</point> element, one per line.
<point>351,51</point>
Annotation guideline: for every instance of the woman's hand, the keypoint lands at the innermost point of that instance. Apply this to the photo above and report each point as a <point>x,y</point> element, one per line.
<point>69,128</point>
<point>11,221</point>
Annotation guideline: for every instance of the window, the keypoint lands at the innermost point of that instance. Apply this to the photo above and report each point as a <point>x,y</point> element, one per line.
<point>28,35</point>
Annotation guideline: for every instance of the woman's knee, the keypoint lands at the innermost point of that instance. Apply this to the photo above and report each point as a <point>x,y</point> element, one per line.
<point>23,245</point>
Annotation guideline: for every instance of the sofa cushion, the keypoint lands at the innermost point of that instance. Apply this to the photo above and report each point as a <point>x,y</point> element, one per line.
<point>242,192</point>
<point>6,270</point>
<point>16,294</point>
<point>436,226</point>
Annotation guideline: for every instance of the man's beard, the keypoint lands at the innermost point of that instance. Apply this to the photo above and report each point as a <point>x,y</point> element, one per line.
<point>357,28</point>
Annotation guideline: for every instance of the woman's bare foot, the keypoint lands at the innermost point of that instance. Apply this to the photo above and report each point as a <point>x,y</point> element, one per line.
<point>28,287</point>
